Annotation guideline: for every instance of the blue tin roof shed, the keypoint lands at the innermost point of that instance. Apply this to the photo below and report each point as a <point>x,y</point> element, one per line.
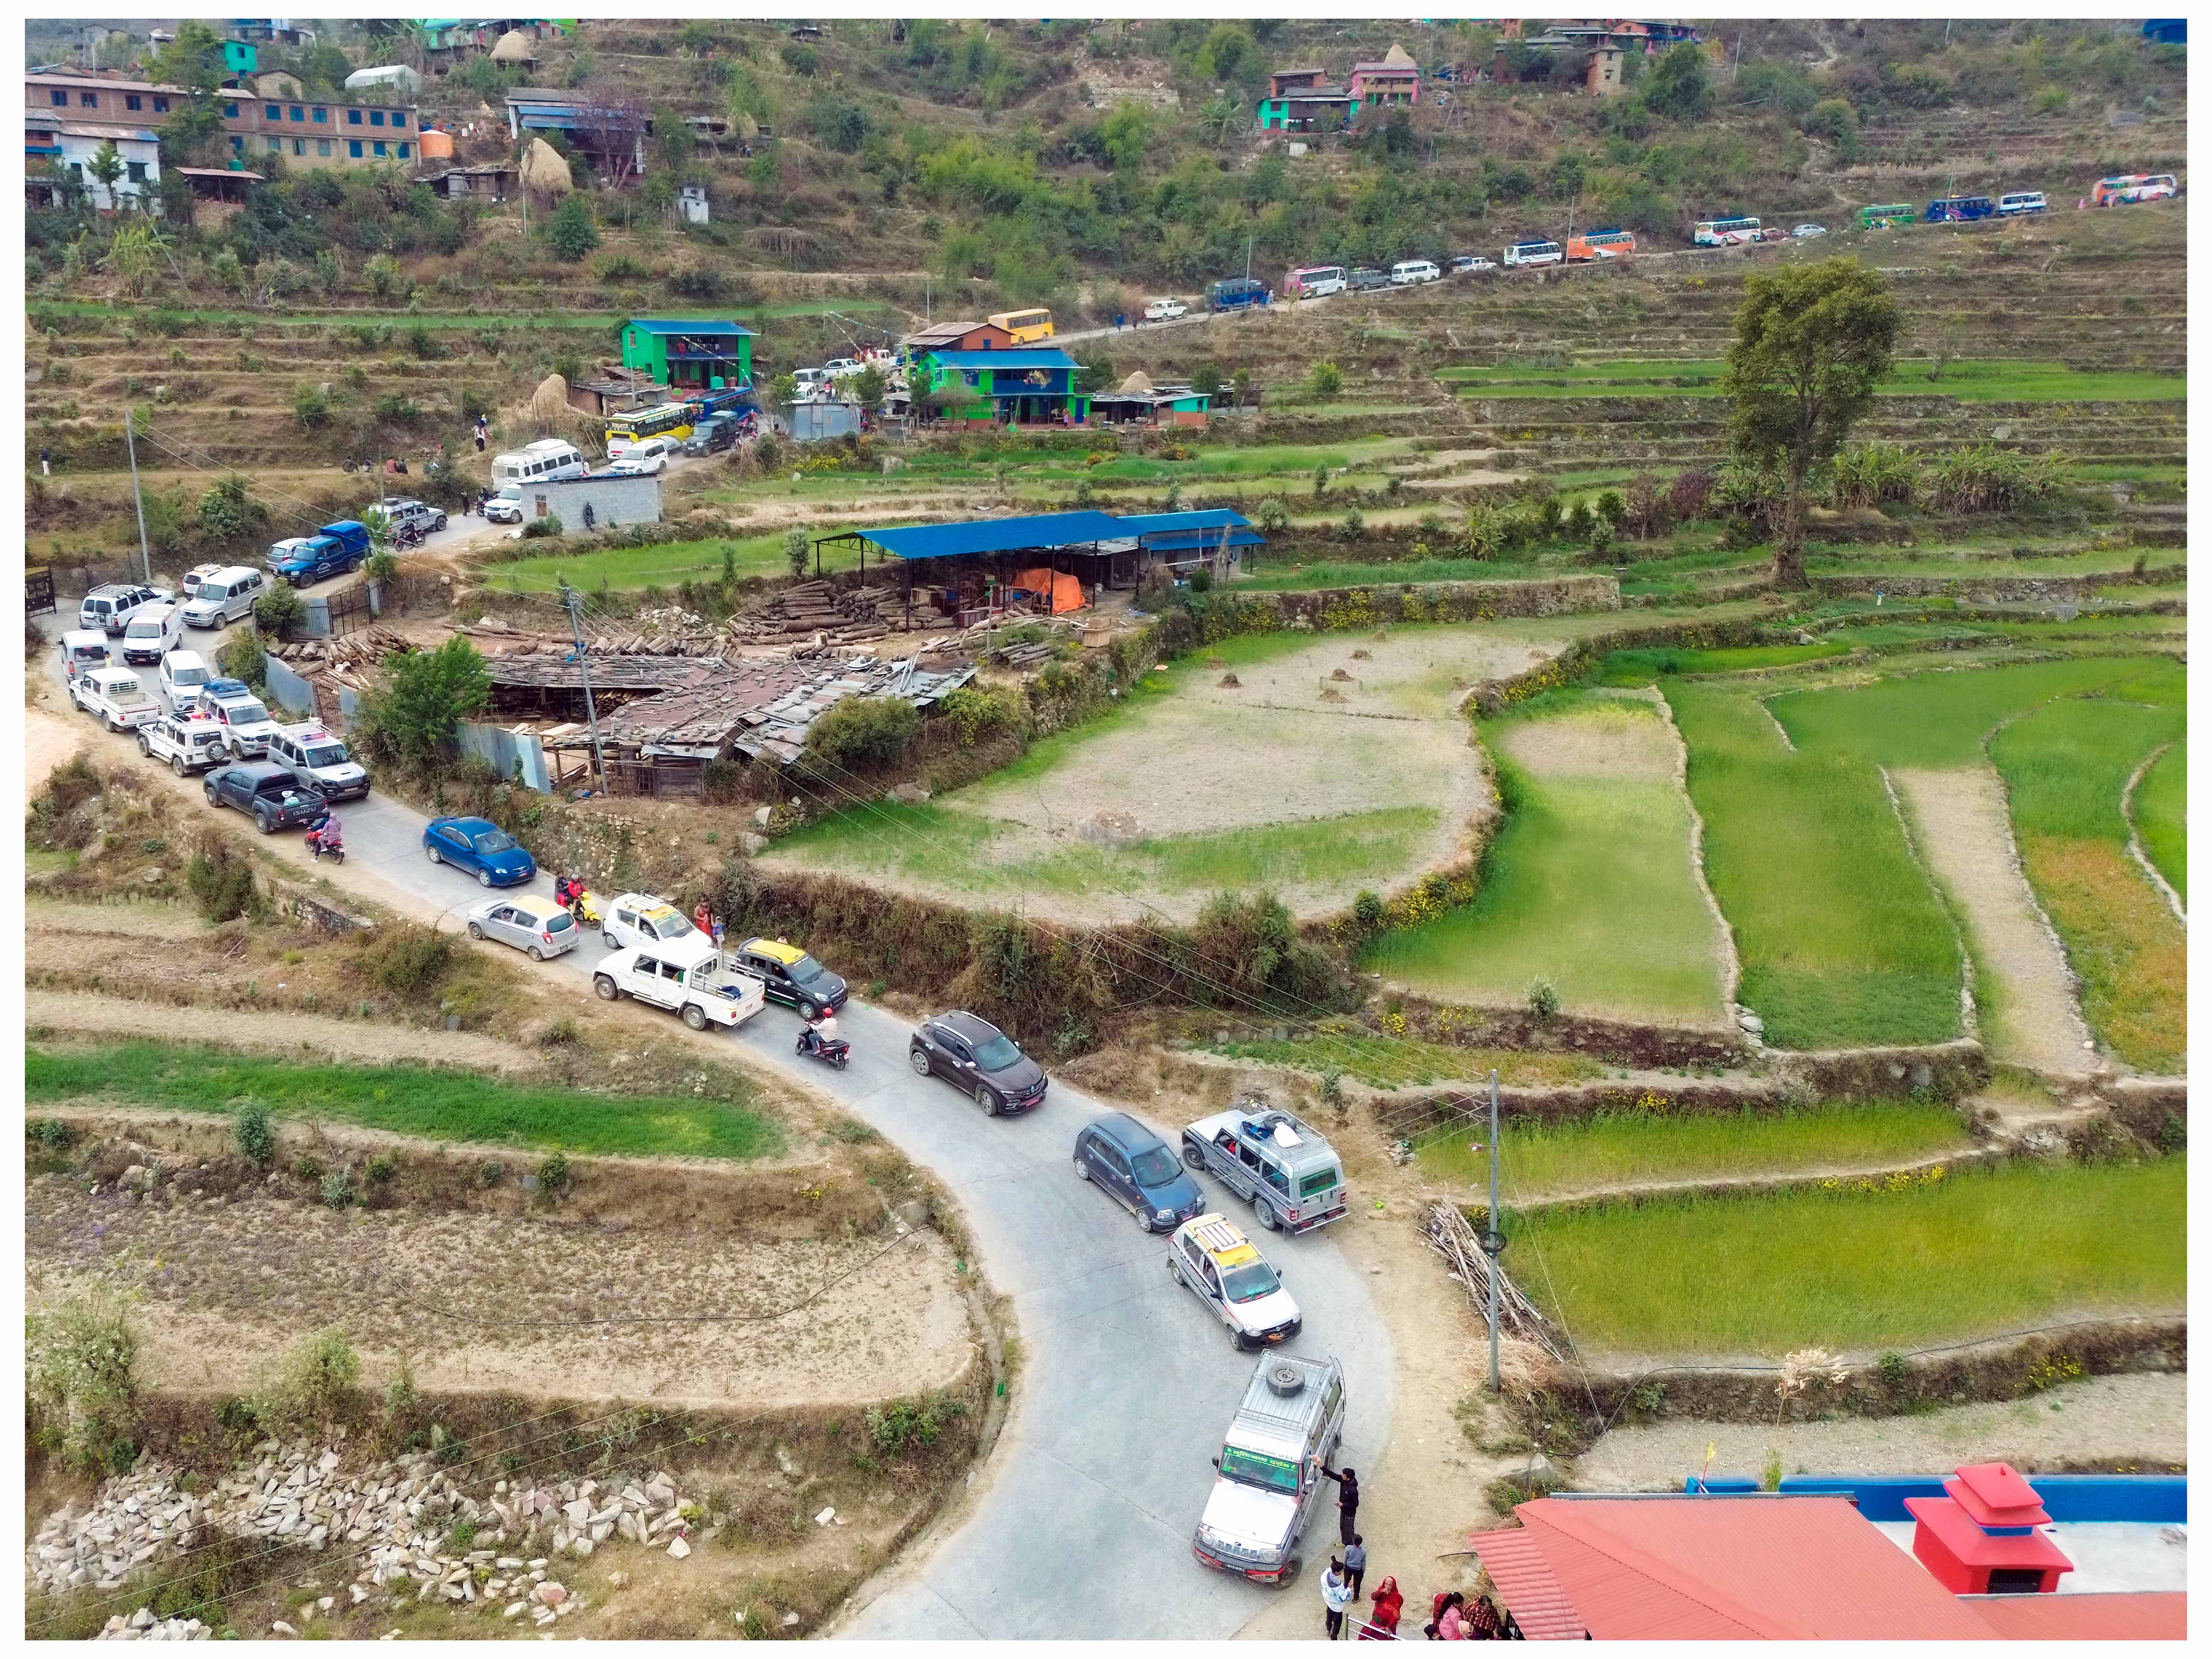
<point>982,536</point>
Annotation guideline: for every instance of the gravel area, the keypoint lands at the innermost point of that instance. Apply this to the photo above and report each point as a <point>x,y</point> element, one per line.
<point>2138,1417</point>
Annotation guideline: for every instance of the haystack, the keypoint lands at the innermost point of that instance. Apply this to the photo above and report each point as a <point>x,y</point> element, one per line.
<point>1398,57</point>
<point>514,47</point>
<point>1139,385</point>
<point>549,404</point>
<point>544,172</point>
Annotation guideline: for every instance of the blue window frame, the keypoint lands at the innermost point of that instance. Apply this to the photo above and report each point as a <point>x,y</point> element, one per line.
<point>377,145</point>
<point>161,104</point>
<point>403,150</point>
<point>376,118</point>
<point>237,145</point>
<point>353,117</point>
<point>298,113</point>
<point>299,147</point>
<point>276,146</point>
<point>230,110</point>
<point>322,116</point>
<point>132,100</point>
<point>353,148</point>
<point>89,99</point>
<point>322,147</point>
<point>400,118</point>
<point>276,112</point>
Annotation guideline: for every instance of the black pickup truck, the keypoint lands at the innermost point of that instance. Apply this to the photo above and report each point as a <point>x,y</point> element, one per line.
<point>273,794</point>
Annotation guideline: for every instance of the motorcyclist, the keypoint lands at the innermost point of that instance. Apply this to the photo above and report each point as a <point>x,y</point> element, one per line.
<point>821,1031</point>
<point>326,835</point>
<point>568,894</point>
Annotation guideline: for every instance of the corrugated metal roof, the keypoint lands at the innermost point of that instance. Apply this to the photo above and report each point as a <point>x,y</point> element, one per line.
<point>610,671</point>
<point>1539,1603</point>
<point>1720,1568</point>
<point>975,536</point>
<point>687,325</point>
<point>2113,1616</point>
<point>765,705</point>
<point>1212,518</point>
<point>1019,357</point>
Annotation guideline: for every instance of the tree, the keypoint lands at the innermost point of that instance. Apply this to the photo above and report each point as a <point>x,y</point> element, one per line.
<point>1812,343</point>
<point>1221,118</point>
<point>425,699</point>
<point>1677,86</point>
<point>1326,380</point>
<point>1094,373</point>
<point>783,389</point>
<point>311,407</point>
<point>193,61</point>
<point>135,255</point>
<point>868,386</point>
<point>795,550</point>
<point>1206,380</point>
<point>1125,132</point>
<point>571,233</point>
<point>611,131</point>
<point>105,166</point>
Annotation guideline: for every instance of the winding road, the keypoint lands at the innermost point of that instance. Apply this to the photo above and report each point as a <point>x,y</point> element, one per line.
<point>1078,1523</point>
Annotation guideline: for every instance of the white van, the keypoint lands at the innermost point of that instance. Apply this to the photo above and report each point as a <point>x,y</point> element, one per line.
<point>153,631</point>
<point>548,457</point>
<point>2018,202</point>
<point>225,597</point>
<point>83,648</point>
<point>1535,253</point>
<point>183,673</point>
<point>1406,272</point>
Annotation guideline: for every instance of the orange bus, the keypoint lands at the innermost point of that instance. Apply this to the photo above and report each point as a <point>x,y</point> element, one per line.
<point>1589,245</point>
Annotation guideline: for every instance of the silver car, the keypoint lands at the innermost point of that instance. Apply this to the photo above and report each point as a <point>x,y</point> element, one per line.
<point>528,921</point>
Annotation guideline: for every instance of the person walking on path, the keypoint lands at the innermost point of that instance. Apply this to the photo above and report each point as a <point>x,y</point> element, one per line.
<point>46,462</point>
<point>484,431</point>
<point>1347,1500</point>
<point>1336,1596</point>
<point>1355,1563</point>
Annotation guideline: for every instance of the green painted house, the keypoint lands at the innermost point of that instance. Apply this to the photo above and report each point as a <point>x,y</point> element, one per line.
<point>689,351</point>
<point>241,57</point>
<point>1025,385</point>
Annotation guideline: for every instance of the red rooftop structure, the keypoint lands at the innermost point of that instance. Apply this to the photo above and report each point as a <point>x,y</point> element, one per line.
<point>1982,1539</point>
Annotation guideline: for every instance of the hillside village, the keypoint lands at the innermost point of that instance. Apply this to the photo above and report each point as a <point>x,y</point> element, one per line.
<point>1242,603</point>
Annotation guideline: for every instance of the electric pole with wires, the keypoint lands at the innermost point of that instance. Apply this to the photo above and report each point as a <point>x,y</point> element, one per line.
<point>570,600</point>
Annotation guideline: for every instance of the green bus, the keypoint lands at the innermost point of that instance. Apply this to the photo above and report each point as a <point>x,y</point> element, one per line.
<point>1900,214</point>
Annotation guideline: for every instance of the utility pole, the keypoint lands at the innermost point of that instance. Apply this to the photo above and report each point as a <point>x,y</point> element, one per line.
<point>1492,1240</point>
<point>570,599</point>
<point>1248,255</point>
<point>131,443</point>
<point>1738,63</point>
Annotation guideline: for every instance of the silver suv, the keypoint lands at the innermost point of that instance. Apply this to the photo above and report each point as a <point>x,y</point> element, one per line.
<point>408,514</point>
<point>109,608</point>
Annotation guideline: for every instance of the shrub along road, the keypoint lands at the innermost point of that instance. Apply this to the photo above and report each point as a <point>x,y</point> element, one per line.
<point>1123,1385</point>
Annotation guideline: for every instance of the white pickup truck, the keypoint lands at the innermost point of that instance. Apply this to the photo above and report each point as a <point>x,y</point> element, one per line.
<point>114,697</point>
<point>686,974</point>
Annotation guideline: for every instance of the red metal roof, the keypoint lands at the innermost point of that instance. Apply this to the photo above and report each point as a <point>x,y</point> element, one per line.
<point>1526,1586</point>
<point>1950,1522</point>
<point>1995,1495</point>
<point>1720,1568</point>
<point>2127,1616</point>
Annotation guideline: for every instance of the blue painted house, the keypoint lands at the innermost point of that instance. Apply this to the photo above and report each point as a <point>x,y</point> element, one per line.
<point>1027,386</point>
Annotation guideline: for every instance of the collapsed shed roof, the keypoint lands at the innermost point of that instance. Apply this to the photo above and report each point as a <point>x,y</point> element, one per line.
<point>766,704</point>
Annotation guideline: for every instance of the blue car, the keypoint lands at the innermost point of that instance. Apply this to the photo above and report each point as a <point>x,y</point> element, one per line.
<point>1140,1170</point>
<point>481,847</point>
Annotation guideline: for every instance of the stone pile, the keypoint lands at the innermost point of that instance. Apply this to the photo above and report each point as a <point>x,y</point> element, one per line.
<point>398,1521</point>
<point>144,1626</point>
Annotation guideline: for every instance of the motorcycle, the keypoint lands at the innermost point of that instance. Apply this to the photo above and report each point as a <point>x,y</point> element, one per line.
<point>831,1051</point>
<point>329,840</point>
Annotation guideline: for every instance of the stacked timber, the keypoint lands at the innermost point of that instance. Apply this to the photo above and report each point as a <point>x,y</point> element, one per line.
<point>1452,1237</point>
<point>807,610</point>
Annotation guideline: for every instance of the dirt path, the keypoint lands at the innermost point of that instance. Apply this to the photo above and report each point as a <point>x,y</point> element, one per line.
<point>481,1303</point>
<point>84,1013</point>
<point>2135,836</point>
<point>2030,1014</point>
<point>2142,1418</point>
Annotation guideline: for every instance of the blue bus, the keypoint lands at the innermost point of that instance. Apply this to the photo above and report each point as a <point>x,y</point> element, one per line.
<point>1955,209</point>
<point>1237,293</point>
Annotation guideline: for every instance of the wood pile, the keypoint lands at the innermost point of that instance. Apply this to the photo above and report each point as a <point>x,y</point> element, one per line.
<point>366,648</point>
<point>811,608</point>
<point>1452,1237</point>
<point>987,640</point>
<point>500,639</point>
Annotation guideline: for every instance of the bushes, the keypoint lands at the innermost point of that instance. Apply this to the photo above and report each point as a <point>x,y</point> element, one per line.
<point>314,1386</point>
<point>409,960</point>
<point>221,883</point>
<point>80,1379</point>
<point>571,233</point>
<point>1870,474</point>
<point>863,733</point>
<point>279,610</point>
<point>1983,478</point>
<point>974,713</point>
<point>243,658</point>
<point>547,525</point>
<point>254,1133</point>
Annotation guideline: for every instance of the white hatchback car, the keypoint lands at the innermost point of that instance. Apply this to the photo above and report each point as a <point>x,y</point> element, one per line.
<point>1165,311</point>
<point>1211,1257</point>
<point>1805,231</point>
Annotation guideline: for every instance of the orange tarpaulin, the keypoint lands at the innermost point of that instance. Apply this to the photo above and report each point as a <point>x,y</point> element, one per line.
<point>1067,592</point>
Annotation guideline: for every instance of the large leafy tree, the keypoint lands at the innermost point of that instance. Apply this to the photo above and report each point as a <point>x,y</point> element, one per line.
<point>194,62</point>
<point>1812,341</point>
<point>425,699</point>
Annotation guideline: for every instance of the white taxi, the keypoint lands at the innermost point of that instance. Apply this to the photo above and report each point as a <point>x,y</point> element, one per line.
<point>687,974</point>
<point>1214,1260</point>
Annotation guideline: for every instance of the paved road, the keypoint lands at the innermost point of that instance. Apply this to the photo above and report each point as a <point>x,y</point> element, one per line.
<point>1080,1523</point>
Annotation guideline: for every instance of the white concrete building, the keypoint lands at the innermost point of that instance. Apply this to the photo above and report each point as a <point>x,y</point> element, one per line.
<point>72,145</point>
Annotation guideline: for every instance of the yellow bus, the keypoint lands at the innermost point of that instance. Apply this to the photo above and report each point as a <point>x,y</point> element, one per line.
<point>1024,325</point>
<point>662,421</point>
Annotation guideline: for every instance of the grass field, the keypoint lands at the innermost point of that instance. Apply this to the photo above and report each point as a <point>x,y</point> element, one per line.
<point>1645,664</point>
<point>1589,884</point>
<point>1981,1251</point>
<point>2065,767</point>
<point>1972,380</point>
<point>1397,1062</point>
<point>1618,1148</point>
<point>1330,573</point>
<point>2161,816</point>
<point>404,1100</point>
<point>1938,720</point>
<point>1841,940</point>
<point>654,567</point>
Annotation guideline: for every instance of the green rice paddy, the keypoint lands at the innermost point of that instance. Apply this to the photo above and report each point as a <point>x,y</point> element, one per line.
<point>1996,379</point>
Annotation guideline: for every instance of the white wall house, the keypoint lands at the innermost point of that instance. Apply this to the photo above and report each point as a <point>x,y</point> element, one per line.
<point>48,139</point>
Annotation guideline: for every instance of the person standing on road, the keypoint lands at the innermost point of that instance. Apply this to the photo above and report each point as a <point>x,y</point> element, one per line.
<point>1355,1563</point>
<point>702,918</point>
<point>46,462</point>
<point>1347,1500</point>
<point>1336,1596</point>
<point>484,431</point>
<point>1381,1624</point>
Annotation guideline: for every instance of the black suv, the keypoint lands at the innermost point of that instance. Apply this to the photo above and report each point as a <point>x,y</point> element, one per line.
<point>274,794</point>
<point>1364,278</point>
<point>979,1057</point>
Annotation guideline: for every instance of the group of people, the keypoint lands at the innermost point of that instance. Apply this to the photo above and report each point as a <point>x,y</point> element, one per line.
<point>1452,1618</point>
